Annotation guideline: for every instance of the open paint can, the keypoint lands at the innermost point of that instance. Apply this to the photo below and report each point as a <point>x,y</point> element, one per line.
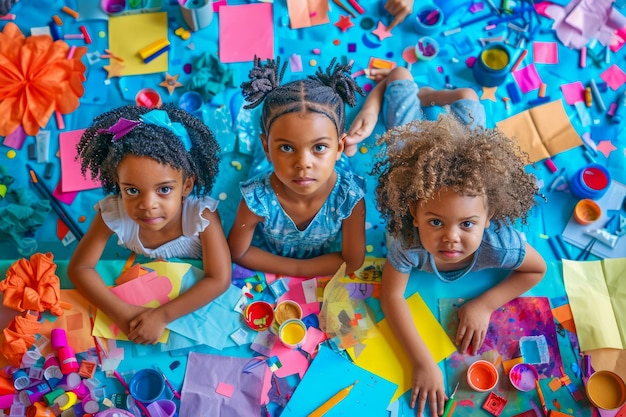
<point>606,390</point>
<point>259,315</point>
<point>524,376</point>
<point>292,333</point>
<point>147,385</point>
<point>592,182</point>
<point>482,376</point>
<point>493,65</point>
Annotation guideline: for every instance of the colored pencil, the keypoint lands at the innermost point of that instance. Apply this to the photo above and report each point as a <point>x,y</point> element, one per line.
<point>95,339</point>
<point>332,401</point>
<point>127,388</point>
<point>167,381</point>
<point>542,400</point>
<point>56,205</point>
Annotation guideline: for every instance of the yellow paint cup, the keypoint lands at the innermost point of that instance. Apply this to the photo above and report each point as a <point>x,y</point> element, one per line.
<point>292,333</point>
<point>606,390</point>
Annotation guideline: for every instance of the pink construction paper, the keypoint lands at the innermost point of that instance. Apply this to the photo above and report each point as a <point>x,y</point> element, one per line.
<point>225,389</point>
<point>296,293</point>
<point>246,31</point>
<point>527,78</point>
<point>71,177</point>
<point>545,53</point>
<point>307,13</point>
<point>67,198</point>
<point>573,92</point>
<point>614,77</point>
<point>292,360</point>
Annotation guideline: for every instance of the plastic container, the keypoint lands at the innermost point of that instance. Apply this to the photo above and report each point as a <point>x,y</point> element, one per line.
<point>287,309</point>
<point>259,315</point>
<point>428,19</point>
<point>147,385</point>
<point>606,390</point>
<point>148,97</point>
<point>482,376</point>
<point>534,349</point>
<point>292,333</point>
<point>426,49</point>
<point>192,101</point>
<point>587,211</point>
<point>492,65</point>
<point>523,377</point>
<point>591,182</point>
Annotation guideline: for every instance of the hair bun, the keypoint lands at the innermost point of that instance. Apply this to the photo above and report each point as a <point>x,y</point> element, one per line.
<point>263,79</point>
<point>337,76</point>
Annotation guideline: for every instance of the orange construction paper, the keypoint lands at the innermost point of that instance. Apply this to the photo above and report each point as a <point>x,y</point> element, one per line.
<point>36,79</point>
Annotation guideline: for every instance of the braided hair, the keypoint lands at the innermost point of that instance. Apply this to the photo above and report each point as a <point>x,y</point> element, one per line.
<point>325,93</point>
<point>100,154</point>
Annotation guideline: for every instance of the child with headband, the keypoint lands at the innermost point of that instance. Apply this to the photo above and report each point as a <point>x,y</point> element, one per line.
<point>159,166</point>
<point>451,195</point>
<point>304,216</point>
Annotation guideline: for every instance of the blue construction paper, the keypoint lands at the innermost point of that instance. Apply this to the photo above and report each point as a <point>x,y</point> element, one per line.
<point>328,374</point>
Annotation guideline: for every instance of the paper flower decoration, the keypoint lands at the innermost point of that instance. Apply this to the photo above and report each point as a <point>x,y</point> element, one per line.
<point>36,78</point>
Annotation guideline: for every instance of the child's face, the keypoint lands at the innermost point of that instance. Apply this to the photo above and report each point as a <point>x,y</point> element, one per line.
<point>451,227</point>
<point>303,148</point>
<point>152,193</point>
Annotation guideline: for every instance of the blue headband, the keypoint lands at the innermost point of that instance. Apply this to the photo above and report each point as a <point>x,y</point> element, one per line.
<point>154,117</point>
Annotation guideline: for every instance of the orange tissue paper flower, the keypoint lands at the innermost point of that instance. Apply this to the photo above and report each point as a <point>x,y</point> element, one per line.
<point>36,78</point>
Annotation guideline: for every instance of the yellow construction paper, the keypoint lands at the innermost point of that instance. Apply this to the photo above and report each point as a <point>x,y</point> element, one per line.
<point>542,131</point>
<point>174,271</point>
<point>597,296</point>
<point>384,356</point>
<point>125,42</point>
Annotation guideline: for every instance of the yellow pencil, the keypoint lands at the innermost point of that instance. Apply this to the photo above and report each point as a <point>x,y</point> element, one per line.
<point>333,401</point>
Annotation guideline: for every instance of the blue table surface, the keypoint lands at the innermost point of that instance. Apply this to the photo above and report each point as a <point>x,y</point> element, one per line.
<point>449,67</point>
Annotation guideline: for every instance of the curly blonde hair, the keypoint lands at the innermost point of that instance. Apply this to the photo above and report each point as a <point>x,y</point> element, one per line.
<point>423,157</point>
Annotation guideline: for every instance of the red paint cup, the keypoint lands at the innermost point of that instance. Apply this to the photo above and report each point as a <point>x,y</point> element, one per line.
<point>482,376</point>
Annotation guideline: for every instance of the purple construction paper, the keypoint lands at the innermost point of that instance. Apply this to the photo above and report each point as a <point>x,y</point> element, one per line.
<point>527,78</point>
<point>203,375</point>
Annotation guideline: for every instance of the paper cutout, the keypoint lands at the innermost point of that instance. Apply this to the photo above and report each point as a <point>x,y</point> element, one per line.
<point>205,372</point>
<point>489,93</point>
<point>295,63</point>
<point>237,45</point>
<point>528,78</point>
<point>384,356</point>
<point>225,389</point>
<point>371,272</point>
<point>605,147</point>
<point>595,290</point>
<point>71,177</point>
<point>303,14</point>
<point>147,28</point>
<point>344,23</point>
<point>614,77</point>
<point>542,131</point>
<point>381,31</point>
<point>545,53</point>
<point>330,372</point>
<point>573,92</point>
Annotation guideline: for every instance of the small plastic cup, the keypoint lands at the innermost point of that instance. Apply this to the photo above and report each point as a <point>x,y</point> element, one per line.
<point>426,49</point>
<point>587,211</point>
<point>259,315</point>
<point>147,385</point>
<point>428,19</point>
<point>287,309</point>
<point>523,377</point>
<point>482,376</point>
<point>148,97</point>
<point>606,390</point>
<point>292,333</point>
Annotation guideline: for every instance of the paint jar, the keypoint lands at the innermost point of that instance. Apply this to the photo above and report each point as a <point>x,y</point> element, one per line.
<point>592,182</point>
<point>148,97</point>
<point>523,377</point>
<point>292,333</point>
<point>493,65</point>
<point>428,19</point>
<point>587,211</point>
<point>147,385</point>
<point>287,309</point>
<point>426,49</point>
<point>191,102</point>
<point>482,376</point>
<point>198,14</point>
<point>259,315</point>
<point>606,390</point>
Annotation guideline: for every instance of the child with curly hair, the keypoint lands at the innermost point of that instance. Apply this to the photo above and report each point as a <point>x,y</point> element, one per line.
<point>450,195</point>
<point>401,101</point>
<point>159,166</point>
<point>304,215</point>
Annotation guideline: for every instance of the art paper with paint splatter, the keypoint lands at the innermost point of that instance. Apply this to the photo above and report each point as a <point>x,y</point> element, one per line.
<point>523,316</point>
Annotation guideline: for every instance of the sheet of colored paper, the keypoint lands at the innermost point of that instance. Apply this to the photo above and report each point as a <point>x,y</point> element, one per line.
<point>545,53</point>
<point>573,92</point>
<point>542,131</point>
<point>614,77</point>
<point>595,290</point>
<point>147,28</point>
<point>384,356</point>
<point>307,13</point>
<point>528,78</point>
<point>246,31</point>
<point>328,374</point>
<point>71,176</point>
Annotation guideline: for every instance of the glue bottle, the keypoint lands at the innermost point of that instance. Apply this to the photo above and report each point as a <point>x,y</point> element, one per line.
<point>620,111</point>
<point>67,358</point>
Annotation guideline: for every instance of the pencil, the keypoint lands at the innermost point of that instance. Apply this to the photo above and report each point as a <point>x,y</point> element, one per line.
<point>56,205</point>
<point>127,388</point>
<point>542,400</point>
<point>333,401</point>
<point>95,339</point>
<point>167,381</point>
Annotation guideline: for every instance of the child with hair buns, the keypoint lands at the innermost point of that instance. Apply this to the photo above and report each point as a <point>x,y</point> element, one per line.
<point>450,195</point>
<point>305,215</point>
<point>159,166</point>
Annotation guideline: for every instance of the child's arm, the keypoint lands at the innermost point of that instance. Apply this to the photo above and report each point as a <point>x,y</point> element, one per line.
<point>427,379</point>
<point>82,272</point>
<point>150,324</point>
<point>475,314</point>
<point>252,257</point>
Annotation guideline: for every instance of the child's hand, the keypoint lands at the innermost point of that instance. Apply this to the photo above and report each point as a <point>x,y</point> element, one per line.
<point>428,387</point>
<point>362,126</point>
<point>473,324</point>
<point>147,327</point>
